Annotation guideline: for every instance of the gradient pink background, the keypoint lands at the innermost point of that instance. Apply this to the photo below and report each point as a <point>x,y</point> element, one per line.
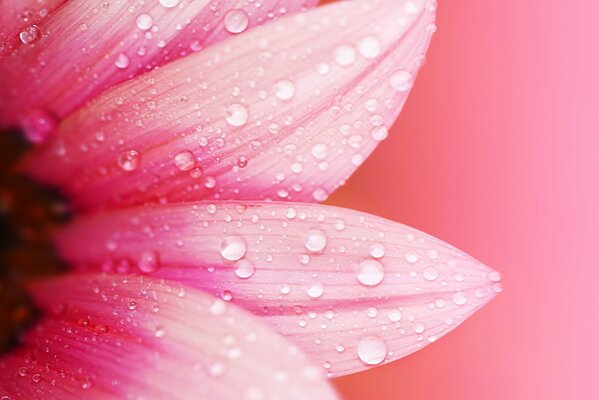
<point>497,153</point>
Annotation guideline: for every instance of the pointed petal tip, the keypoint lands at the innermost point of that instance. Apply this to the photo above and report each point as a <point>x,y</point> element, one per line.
<point>284,112</point>
<point>325,277</point>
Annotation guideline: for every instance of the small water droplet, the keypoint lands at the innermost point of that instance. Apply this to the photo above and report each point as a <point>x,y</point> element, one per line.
<point>377,251</point>
<point>149,262</point>
<point>401,81</point>
<point>315,291</point>
<point>122,61</point>
<point>39,125</point>
<point>494,276</point>
<point>237,115</point>
<point>30,35</point>
<point>372,350</point>
<point>144,21</point>
<point>370,273</point>
<point>369,47</point>
<point>430,274</point>
<point>236,21</point>
<point>244,269</point>
<point>345,55</point>
<point>128,160</point>
<point>285,90</point>
<point>233,248</point>
<point>315,240</point>
<point>459,298</point>
<point>170,3</point>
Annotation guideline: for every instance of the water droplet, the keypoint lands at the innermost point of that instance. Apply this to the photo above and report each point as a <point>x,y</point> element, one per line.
<point>144,21</point>
<point>244,269</point>
<point>345,55</point>
<point>122,61</point>
<point>394,315</point>
<point>369,47</point>
<point>377,251</point>
<point>411,8</point>
<point>233,248</point>
<point>285,90</point>
<point>370,273</point>
<point>39,125</point>
<point>170,3</point>
<point>30,35</point>
<point>430,274</point>
<point>380,133</point>
<point>315,240</point>
<point>132,305</point>
<point>411,257</point>
<point>148,262</point>
<point>372,350</point>
<point>185,160</point>
<point>494,276</point>
<point>236,21</point>
<point>459,298</point>
<point>128,160</point>
<point>320,151</point>
<point>237,115</point>
<point>401,81</point>
<point>315,291</point>
<point>160,331</point>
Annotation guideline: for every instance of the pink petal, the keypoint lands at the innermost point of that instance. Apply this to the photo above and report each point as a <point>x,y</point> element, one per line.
<point>270,114</point>
<point>326,277</point>
<point>88,46</point>
<point>19,18</point>
<point>116,337</point>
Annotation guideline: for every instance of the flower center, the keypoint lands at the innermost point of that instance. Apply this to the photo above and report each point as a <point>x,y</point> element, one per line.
<point>28,214</point>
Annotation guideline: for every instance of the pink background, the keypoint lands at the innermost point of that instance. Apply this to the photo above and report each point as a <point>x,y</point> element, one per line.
<point>497,153</point>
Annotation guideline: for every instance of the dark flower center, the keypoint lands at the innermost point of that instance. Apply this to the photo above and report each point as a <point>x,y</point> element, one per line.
<point>28,214</point>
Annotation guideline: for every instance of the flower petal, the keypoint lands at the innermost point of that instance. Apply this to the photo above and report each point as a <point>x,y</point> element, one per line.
<point>287,111</point>
<point>115,337</point>
<point>328,278</point>
<point>88,46</point>
<point>18,18</point>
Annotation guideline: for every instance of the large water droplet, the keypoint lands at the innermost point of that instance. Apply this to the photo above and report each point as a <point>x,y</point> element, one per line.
<point>233,248</point>
<point>236,21</point>
<point>30,35</point>
<point>148,262</point>
<point>370,273</point>
<point>237,115</point>
<point>144,21</point>
<point>372,350</point>
<point>185,161</point>
<point>170,3</point>
<point>315,291</point>
<point>369,47</point>
<point>315,240</point>
<point>128,160</point>
<point>39,125</point>
<point>122,61</point>
<point>244,269</point>
<point>285,90</point>
<point>401,81</point>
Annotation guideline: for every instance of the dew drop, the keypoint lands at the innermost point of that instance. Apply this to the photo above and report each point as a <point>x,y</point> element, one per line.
<point>30,35</point>
<point>380,133</point>
<point>369,47</point>
<point>370,273</point>
<point>39,125</point>
<point>148,262</point>
<point>320,151</point>
<point>372,350</point>
<point>345,55</point>
<point>459,298</point>
<point>170,3</point>
<point>144,21</point>
<point>236,21</point>
<point>430,274</point>
<point>237,115</point>
<point>401,81</point>
<point>315,291</point>
<point>244,269</point>
<point>285,90</point>
<point>394,316</point>
<point>411,257</point>
<point>494,276</point>
<point>185,160</point>
<point>128,160</point>
<point>233,248</point>
<point>315,240</point>
<point>377,251</point>
<point>122,61</point>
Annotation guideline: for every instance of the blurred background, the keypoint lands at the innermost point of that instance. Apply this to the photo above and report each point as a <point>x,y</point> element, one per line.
<point>497,153</point>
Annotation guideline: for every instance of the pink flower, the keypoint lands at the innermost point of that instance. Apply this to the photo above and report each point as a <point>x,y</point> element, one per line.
<point>185,160</point>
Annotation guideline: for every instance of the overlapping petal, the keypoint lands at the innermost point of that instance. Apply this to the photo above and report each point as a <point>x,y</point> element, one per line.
<point>114,337</point>
<point>286,112</point>
<point>352,290</point>
<point>90,45</point>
